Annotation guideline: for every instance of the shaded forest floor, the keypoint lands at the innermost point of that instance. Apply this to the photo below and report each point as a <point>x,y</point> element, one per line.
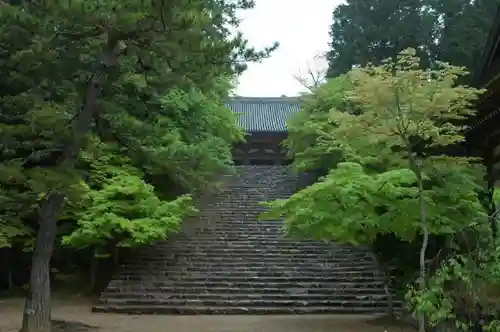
<point>75,316</point>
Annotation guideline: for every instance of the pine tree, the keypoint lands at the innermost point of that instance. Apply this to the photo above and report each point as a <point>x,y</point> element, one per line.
<point>144,79</point>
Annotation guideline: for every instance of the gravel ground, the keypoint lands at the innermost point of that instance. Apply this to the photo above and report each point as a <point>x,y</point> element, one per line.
<point>75,316</point>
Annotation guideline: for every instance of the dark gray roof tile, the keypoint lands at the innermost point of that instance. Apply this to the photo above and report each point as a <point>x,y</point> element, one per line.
<point>256,114</point>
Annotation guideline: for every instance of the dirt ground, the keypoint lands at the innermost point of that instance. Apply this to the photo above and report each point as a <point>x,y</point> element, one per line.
<point>78,310</point>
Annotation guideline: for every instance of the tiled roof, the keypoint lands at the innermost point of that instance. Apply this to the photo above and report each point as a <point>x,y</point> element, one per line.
<point>264,114</point>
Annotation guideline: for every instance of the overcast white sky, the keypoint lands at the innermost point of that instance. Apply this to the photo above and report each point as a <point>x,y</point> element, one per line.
<point>301,27</point>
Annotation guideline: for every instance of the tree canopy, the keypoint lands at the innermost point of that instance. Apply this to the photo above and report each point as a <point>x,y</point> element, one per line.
<point>365,125</point>
<point>160,119</point>
<point>112,117</point>
<point>387,140</point>
<point>453,31</point>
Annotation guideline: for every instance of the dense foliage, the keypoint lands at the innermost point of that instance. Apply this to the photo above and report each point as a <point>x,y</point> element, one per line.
<point>453,31</point>
<point>151,127</point>
<point>112,116</point>
<point>366,129</point>
<point>388,138</point>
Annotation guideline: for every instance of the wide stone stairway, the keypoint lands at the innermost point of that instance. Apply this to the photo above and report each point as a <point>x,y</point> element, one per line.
<point>225,261</point>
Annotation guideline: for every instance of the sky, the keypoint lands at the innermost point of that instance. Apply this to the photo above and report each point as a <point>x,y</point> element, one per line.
<point>301,27</point>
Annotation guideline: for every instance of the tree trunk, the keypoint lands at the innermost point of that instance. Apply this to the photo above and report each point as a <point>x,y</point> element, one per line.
<point>390,303</point>
<point>425,234</point>
<point>93,271</point>
<point>116,257</point>
<point>8,260</point>
<point>37,309</point>
<point>423,249</point>
<point>492,208</point>
<point>36,315</point>
<point>37,312</point>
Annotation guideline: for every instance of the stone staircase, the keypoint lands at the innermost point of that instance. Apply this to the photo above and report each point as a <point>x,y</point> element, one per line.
<point>225,261</point>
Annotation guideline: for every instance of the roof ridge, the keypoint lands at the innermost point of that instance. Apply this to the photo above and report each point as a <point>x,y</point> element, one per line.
<point>264,99</point>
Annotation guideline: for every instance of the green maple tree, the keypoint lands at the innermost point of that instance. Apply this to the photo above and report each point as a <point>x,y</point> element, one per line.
<point>389,174</point>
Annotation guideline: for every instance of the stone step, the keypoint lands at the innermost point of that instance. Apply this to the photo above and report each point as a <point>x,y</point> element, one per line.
<point>227,215</point>
<point>259,243</point>
<point>166,297</point>
<point>236,237</point>
<point>181,270</point>
<point>144,290</point>
<point>248,279</point>
<point>230,260</point>
<point>237,310</point>
<point>181,275</point>
<point>249,235</point>
<point>222,241</point>
<point>205,239</point>
<point>250,195</point>
<point>282,185</point>
<point>282,256</point>
<point>235,219</point>
<point>235,230</point>
<point>256,247</point>
<point>250,226</point>
<point>276,257</point>
<point>252,252</point>
<point>259,193</point>
<point>234,199</point>
<point>267,263</point>
<point>208,262</point>
<point>183,239</point>
<point>236,194</point>
<point>255,284</point>
<point>175,267</point>
<point>211,233</point>
<point>255,302</point>
<point>228,209</point>
<point>238,220</point>
<point>250,268</point>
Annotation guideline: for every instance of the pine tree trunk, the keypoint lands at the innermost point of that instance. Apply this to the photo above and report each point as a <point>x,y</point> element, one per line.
<point>37,309</point>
